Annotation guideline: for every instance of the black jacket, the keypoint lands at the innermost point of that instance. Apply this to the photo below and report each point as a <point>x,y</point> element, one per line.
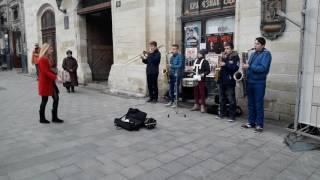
<point>232,65</point>
<point>153,62</point>
<point>205,67</point>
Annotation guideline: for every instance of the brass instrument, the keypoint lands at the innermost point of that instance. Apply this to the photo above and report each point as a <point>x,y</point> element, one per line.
<point>143,55</point>
<point>217,70</point>
<point>240,76</point>
<point>166,70</point>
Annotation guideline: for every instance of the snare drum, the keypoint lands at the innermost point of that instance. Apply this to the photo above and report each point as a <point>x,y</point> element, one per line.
<point>189,82</point>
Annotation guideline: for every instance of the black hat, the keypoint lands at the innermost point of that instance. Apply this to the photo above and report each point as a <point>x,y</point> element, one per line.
<point>69,52</point>
<point>203,52</point>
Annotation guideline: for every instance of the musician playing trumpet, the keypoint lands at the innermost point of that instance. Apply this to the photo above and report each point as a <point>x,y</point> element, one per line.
<point>152,59</point>
<point>229,65</point>
<point>201,68</point>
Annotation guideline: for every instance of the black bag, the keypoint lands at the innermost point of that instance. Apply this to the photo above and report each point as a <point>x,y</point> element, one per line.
<point>133,120</point>
<point>150,123</point>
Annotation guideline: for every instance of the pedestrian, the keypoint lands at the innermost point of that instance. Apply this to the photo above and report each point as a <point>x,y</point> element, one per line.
<point>229,65</point>
<point>201,69</point>
<point>47,86</point>
<point>70,65</point>
<point>176,67</point>
<point>152,60</point>
<point>257,70</point>
<point>35,58</point>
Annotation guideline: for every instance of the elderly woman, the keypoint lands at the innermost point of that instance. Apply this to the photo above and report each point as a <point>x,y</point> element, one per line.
<point>70,65</point>
<point>46,85</point>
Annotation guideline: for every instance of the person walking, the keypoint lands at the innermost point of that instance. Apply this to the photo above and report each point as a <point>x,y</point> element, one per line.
<point>35,58</point>
<point>70,65</point>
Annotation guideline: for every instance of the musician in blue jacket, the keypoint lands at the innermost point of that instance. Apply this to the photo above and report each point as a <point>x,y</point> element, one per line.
<point>229,65</point>
<point>152,60</point>
<point>176,67</point>
<point>257,71</point>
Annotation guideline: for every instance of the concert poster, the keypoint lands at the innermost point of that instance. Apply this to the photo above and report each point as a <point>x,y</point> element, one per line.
<point>215,42</point>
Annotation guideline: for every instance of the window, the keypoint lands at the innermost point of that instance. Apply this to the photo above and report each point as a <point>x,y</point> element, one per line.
<point>2,20</point>
<point>15,12</point>
<point>48,20</point>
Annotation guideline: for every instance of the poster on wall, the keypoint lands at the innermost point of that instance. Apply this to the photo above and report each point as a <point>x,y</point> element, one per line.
<point>215,41</point>
<point>192,34</point>
<point>190,56</point>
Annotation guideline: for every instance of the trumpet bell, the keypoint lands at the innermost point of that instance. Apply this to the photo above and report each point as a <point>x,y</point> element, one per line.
<point>238,76</point>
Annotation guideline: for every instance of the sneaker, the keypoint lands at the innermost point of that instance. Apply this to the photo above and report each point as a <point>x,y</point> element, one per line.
<point>169,104</point>
<point>230,120</point>
<point>247,126</point>
<point>174,105</point>
<point>149,100</point>
<point>258,129</point>
<point>219,117</point>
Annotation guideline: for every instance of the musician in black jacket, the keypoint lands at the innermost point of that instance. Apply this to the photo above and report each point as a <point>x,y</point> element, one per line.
<point>229,65</point>
<point>201,68</point>
<point>152,59</point>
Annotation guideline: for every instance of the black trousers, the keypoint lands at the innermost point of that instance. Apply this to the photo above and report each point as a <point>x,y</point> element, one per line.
<point>227,94</point>
<point>152,80</point>
<point>55,98</point>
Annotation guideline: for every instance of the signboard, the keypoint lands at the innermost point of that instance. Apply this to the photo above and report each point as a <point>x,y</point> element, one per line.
<point>192,6</point>
<point>215,42</point>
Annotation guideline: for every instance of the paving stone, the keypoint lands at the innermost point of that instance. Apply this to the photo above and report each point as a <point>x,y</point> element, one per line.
<point>173,168</point>
<point>212,165</point>
<point>189,160</point>
<point>67,171</point>
<point>150,164</point>
<point>132,171</point>
<point>197,172</point>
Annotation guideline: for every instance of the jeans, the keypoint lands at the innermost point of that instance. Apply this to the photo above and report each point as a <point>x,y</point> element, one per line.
<point>152,80</point>
<point>174,87</point>
<point>255,93</point>
<point>199,93</point>
<point>227,93</point>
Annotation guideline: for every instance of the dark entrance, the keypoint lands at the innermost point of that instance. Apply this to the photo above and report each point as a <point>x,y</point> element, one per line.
<point>48,29</point>
<point>100,50</point>
<point>16,44</point>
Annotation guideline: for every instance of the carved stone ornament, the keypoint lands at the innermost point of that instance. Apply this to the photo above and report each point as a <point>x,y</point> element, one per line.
<point>272,25</point>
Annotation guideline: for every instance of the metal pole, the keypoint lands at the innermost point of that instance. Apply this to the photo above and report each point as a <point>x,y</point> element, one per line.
<point>300,67</point>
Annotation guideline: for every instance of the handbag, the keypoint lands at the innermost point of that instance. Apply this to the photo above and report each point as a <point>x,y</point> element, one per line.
<point>65,76</point>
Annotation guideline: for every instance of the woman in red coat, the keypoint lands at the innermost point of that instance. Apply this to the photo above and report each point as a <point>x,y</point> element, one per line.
<point>47,86</point>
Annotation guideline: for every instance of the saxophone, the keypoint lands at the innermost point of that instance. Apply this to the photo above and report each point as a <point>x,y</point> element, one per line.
<point>217,70</point>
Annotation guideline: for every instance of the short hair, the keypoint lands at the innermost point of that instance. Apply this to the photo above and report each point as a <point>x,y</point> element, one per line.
<point>175,45</point>
<point>153,43</point>
<point>261,40</point>
<point>69,52</point>
<point>230,44</point>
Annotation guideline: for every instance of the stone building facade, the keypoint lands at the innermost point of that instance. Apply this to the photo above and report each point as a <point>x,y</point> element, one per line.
<point>131,24</point>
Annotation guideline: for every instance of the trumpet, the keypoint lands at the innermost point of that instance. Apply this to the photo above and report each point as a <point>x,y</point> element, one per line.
<point>143,55</point>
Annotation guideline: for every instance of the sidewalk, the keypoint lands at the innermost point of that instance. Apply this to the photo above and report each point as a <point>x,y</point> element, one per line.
<point>88,146</point>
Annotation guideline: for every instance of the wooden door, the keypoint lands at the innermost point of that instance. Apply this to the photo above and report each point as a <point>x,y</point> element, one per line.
<point>48,29</point>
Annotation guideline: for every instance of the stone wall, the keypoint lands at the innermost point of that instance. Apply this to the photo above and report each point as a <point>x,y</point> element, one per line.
<point>280,96</point>
<point>72,38</point>
<point>136,23</point>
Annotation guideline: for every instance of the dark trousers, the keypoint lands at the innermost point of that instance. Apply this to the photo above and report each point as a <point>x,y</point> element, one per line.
<point>255,93</point>
<point>152,80</point>
<point>199,93</point>
<point>174,87</point>
<point>37,70</point>
<point>227,93</point>
<point>55,98</point>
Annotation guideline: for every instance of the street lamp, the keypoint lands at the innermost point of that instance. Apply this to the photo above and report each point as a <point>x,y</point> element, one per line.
<point>59,2</point>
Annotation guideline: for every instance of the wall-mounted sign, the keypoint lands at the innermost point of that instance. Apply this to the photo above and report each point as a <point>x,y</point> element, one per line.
<point>66,22</point>
<point>272,25</point>
<point>193,6</point>
<point>118,4</point>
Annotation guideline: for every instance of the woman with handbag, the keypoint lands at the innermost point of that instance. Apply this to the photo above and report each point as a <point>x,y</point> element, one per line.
<point>70,65</point>
<point>47,86</point>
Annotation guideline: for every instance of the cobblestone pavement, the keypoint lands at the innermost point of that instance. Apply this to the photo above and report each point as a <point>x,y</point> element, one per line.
<point>88,146</point>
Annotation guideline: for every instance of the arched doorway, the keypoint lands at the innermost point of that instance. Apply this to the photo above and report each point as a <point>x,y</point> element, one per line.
<point>48,30</point>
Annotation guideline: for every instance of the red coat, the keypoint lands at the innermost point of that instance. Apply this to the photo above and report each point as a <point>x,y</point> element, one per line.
<point>46,78</point>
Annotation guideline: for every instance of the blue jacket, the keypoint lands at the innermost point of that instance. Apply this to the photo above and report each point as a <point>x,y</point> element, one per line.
<point>177,65</point>
<point>153,62</point>
<point>232,65</point>
<point>259,66</point>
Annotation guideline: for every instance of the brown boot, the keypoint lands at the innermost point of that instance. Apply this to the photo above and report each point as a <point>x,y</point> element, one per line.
<point>203,109</point>
<point>195,107</point>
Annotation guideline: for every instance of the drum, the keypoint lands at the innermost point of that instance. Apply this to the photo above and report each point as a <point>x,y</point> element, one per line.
<point>189,82</point>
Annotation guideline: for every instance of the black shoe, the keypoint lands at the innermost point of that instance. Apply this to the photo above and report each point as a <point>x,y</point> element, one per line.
<point>155,101</point>
<point>150,100</point>
<point>68,90</point>
<point>72,89</point>
<point>55,118</point>
<point>43,119</point>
